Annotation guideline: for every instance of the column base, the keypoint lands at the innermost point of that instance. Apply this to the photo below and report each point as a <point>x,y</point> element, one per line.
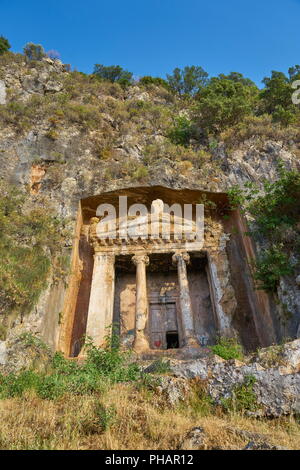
<point>191,343</point>
<point>140,343</point>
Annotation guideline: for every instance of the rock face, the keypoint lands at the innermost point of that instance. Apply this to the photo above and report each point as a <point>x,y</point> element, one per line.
<point>195,439</point>
<point>2,92</point>
<point>85,138</point>
<point>276,378</point>
<point>173,389</point>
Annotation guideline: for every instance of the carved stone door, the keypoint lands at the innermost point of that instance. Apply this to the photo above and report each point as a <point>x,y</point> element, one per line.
<point>163,325</point>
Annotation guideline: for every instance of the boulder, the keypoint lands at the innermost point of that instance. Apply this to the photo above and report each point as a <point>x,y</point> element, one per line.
<point>2,92</point>
<point>173,389</point>
<point>195,439</point>
<point>276,388</point>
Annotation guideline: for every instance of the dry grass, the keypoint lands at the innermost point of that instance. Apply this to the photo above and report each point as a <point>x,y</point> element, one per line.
<point>139,421</point>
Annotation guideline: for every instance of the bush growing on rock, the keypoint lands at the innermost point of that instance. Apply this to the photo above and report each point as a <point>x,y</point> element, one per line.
<point>102,367</point>
<point>187,81</point>
<point>182,131</point>
<point>157,81</point>
<point>24,261</point>
<point>242,397</point>
<point>228,348</point>
<point>4,45</point>
<point>223,103</point>
<point>34,51</point>
<point>113,73</point>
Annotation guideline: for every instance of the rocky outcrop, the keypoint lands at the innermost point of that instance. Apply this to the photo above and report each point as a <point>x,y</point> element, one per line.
<point>173,390</point>
<point>276,378</point>
<point>24,352</point>
<point>195,439</point>
<point>62,159</point>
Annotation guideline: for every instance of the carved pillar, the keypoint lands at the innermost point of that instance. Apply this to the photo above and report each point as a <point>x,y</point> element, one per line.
<point>100,314</point>
<point>181,260</point>
<point>141,307</point>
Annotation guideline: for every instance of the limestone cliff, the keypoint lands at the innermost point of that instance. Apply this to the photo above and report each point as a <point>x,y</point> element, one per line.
<point>65,136</point>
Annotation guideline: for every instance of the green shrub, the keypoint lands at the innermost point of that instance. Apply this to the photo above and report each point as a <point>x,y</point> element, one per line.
<point>106,416</point>
<point>223,103</point>
<point>4,45</point>
<point>270,267</point>
<point>14,385</point>
<point>34,51</point>
<point>182,131</point>
<point>157,81</point>
<point>24,262</point>
<point>101,368</point>
<point>113,73</point>
<point>199,401</point>
<point>140,173</point>
<point>228,348</point>
<point>187,81</point>
<point>160,366</point>
<point>243,397</point>
<point>276,215</point>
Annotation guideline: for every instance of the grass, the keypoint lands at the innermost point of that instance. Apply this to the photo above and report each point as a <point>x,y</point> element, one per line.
<point>124,418</point>
<point>228,348</point>
<point>107,403</point>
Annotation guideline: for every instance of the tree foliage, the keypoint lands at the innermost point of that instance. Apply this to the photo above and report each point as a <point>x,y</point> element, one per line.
<point>187,81</point>
<point>276,96</point>
<point>113,73</point>
<point>276,216</point>
<point>4,45</point>
<point>34,51</point>
<point>24,260</point>
<point>157,81</point>
<point>223,103</point>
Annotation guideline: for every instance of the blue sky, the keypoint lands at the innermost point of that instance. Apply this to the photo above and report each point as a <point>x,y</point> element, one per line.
<point>152,37</point>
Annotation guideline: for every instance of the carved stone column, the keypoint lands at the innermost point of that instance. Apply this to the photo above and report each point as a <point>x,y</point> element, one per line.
<point>141,307</point>
<point>100,314</point>
<point>181,260</point>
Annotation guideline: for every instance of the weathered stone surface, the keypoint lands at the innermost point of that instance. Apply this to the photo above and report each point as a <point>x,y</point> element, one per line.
<point>191,369</point>
<point>195,439</point>
<point>3,355</point>
<point>173,389</point>
<point>2,92</point>
<point>277,388</point>
<point>23,353</point>
<point>53,86</point>
<point>262,445</point>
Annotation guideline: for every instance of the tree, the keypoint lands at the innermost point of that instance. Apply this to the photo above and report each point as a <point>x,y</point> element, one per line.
<point>276,96</point>
<point>4,45</point>
<point>237,77</point>
<point>188,81</point>
<point>294,73</point>
<point>148,80</point>
<point>223,103</point>
<point>34,51</point>
<point>113,73</point>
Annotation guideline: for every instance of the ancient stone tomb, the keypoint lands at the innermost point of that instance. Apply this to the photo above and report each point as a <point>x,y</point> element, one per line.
<point>165,294</point>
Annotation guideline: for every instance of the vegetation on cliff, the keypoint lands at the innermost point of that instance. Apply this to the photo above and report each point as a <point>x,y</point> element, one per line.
<point>275,214</point>
<point>184,126</point>
<point>30,238</point>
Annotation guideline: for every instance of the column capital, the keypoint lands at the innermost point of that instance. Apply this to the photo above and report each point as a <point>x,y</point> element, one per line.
<point>104,255</point>
<point>140,259</point>
<point>177,256</point>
